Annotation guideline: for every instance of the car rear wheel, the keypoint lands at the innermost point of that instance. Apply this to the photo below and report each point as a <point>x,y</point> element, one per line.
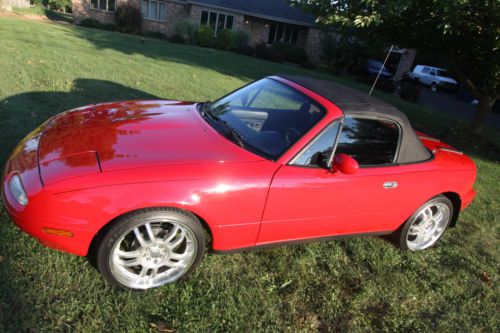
<point>150,248</point>
<point>426,226</point>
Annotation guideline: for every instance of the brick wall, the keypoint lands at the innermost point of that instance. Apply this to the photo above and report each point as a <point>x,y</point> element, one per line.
<point>82,10</point>
<point>195,15</point>
<point>176,12</point>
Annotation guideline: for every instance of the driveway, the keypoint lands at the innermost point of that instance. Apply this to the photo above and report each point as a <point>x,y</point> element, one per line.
<point>448,103</point>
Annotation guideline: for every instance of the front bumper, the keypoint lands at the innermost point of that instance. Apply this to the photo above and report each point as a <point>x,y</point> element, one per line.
<point>467,199</point>
<point>30,220</point>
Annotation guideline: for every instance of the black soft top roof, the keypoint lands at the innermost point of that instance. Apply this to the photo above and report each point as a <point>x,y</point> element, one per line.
<point>354,103</point>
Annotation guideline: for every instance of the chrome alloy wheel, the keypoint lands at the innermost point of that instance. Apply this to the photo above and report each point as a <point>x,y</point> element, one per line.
<point>153,253</point>
<point>428,225</point>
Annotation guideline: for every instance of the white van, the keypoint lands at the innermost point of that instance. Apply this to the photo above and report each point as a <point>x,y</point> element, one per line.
<point>434,77</point>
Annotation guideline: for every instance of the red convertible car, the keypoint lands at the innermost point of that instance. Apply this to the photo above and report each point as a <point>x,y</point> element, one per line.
<point>148,186</point>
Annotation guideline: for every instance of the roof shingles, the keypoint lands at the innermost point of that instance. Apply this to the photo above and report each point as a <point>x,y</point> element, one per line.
<point>279,10</point>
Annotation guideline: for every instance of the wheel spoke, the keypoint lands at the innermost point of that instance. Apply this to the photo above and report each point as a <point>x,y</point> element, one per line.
<point>178,264</point>
<point>439,216</point>
<point>127,254</point>
<point>172,233</point>
<point>176,242</point>
<point>178,256</point>
<point>139,237</point>
<point>130,263</point>
<point>414,230</point>
<point>150,232</point>
<point>154,272</point>
<point>428,214</point>
<point>143,272</point>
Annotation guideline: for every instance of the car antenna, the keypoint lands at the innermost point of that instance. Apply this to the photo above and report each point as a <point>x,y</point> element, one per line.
<point>380,71</point>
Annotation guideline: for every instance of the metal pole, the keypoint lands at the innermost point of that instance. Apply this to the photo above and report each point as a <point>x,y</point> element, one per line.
<point>380,71</point>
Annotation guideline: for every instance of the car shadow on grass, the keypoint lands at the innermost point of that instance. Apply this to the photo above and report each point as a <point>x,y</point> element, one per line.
<point>20,114</point>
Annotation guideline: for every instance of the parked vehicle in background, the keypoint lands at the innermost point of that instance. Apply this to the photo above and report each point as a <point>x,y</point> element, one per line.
<point>434,77</point>
<point>372,67</point>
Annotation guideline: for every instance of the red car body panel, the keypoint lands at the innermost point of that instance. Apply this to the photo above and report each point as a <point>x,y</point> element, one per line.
<point>84,168</point>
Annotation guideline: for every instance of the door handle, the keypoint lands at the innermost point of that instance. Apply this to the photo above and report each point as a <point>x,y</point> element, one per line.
<point>390,184</point>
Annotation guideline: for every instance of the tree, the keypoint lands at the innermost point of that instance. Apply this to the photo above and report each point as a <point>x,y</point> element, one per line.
<point>465,31</point>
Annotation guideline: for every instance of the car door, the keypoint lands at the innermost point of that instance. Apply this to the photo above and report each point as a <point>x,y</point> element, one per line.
<point>308,200</point>
<point>425,76</point>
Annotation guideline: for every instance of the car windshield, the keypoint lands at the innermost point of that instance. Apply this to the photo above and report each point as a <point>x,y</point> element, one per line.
<point>266,117</point>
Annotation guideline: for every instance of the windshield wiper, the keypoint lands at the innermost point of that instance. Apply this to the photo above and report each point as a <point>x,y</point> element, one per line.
<point>227,130</point>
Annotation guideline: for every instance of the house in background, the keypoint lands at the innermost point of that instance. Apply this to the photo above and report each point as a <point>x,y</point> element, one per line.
<point>269,21</point>
<point>9,4</point>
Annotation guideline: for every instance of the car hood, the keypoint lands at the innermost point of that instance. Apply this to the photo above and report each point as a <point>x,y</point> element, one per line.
<point>131,134</point>
<point>447,79</point>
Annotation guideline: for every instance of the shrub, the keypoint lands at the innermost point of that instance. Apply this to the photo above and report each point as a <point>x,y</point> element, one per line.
<point>261,50</point>
<point>58,5</point>
<point>307,64</point>
<point>275,54</point>
<point>245,50</point>
<point>204,36</point>
<point>384,85</point>
<point>224,40</point>
<point>177,39</point>
<point>128,18</point>
<point>269,53</point>
<point>107,26</point>
<point>187,30</point>
<point>154,34</point>
<point>91,23</point>
<point>409,90</point>
<point>241,39</point>
<point>291,53</point>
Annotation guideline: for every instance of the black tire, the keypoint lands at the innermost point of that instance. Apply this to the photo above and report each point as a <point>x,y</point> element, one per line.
<point>434,86</point>
<point>401,235</point>
<point>125,225</point>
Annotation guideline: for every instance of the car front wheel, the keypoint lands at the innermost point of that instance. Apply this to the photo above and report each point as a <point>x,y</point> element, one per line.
<point>150,248</point>
<point>426,226</point>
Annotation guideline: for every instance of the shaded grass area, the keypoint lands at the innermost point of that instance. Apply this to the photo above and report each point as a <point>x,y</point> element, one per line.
<point>354,285</point>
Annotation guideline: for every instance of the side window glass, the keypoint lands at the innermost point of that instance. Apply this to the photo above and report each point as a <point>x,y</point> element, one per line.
<point>369,141</point>
<point>318,152</point>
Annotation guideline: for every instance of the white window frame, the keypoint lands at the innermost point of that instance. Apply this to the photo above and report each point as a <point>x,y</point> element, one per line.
<point>157,10</point>
<point>217,19</point>
<point>99,7</point>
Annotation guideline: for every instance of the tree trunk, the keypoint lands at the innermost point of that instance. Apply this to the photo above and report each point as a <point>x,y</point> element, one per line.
<point>483,110</point>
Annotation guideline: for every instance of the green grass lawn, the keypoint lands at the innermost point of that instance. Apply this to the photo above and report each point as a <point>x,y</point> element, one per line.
<point>357,285</point>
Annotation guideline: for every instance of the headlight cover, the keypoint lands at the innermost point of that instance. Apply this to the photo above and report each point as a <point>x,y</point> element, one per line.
<point>17,190</point>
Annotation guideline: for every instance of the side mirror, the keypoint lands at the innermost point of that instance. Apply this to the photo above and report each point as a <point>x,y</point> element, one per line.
<point>345,164</point>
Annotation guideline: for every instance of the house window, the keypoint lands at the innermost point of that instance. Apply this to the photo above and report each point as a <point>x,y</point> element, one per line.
<point>280,33</point>
<point>217,21</point>
<point>107,5</point>
<point>154,10</point>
